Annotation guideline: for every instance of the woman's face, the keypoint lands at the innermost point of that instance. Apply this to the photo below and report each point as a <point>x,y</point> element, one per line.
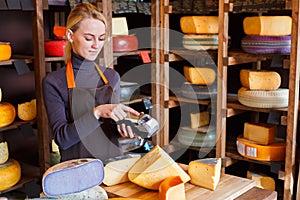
<point>88,40</point>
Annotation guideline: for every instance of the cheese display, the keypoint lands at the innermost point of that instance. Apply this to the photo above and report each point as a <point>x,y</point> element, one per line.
<point>7,114</point>
<point>172,188</point>
<point>197,137</point>
<point>116,172</point>
<point>205,172</point>
<point>263,99</point>
<point>153,168</point>
<point>123,43</point>
<point>4,154</point>
<point>268,25</point>
<point>10,174</point>
<point>96,192</point>
<point>262,180</point>
<point>27,111</point>
<point>259,132</point>
<point>255,151</point>
<point>72,176</point>
<point>198,92</point>
<point>199,24</point>
<point>256,44</point>
<point>260,79</point>
<point>199,119</point>
<point>199,75</point>
<point>5,51</point>
<point>200,42</point>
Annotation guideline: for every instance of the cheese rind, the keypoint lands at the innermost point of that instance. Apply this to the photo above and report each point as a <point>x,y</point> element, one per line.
<point>260,79</point>
<point>4,154</point>
<point>153,168</point>
<point>199,75</point>
<point>262,180</point>
<point>116,172</point>
<point>199,119</point>
<point>205,172</point>
<point>199,24</point>
<point>172,188</point>
<point>259,132</point>
<point>268,25</point>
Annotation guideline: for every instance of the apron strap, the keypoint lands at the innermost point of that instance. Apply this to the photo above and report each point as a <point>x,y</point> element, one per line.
<point>70,75</point>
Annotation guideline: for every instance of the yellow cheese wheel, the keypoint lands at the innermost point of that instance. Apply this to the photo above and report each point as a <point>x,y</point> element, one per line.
<point>255,151</point>
<point>7,114</point>
<point>10,174</point>
<point>5,51</point>
<point>268,25</point>
<point>262,180</point>
<point>199,24</point>
<point>260,79</point>
<point>27,110</point>
<point>3,152</point>
<point>172,188</point>
<point>199,75</point>
<point>259,132</point>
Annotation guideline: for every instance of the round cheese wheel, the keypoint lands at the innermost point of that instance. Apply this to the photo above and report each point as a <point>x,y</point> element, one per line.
<point>3,152</point>
<point>125,43</point>
<point>200,42</point>
<point>192,137</point>
<point>255,44</point>
<point>255,151</point>
<point>27,110</point>
<point>263,99</point>
<point>10,174</point>
<point>5,51</point>
<point>7,114</point>
<point>55,47</point>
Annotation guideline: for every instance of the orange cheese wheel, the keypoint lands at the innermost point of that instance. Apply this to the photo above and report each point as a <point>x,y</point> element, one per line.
<point>255,151</point>
<point>10,174</point>
<point>5,51</point>
<point>7,114</point>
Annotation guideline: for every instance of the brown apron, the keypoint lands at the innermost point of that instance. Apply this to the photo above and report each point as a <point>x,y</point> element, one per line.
<point>102,142</point>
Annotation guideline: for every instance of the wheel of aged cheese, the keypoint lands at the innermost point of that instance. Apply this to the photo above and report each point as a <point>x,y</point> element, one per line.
<point>192,137</point>
<point>200,42</point>
<point>5,51</point>
<point>72,176</point>
<point>197,92</point>
<point>129,91</point>
<point>255,151</point>
<point>125,43</point>
<point>10,174</point>
<point>266,44</point>
<point>199,24</point>
<point>263,99</point>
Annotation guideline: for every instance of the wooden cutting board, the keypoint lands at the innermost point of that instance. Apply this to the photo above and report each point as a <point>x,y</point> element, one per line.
<point>229,187</point>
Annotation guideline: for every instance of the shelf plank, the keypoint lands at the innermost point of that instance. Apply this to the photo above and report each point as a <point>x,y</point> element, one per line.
<point>236,57</point>
<point>17,124</point>
<point>11,61</point>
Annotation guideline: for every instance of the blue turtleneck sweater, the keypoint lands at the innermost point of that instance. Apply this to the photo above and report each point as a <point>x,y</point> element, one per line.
<point>55,91</point>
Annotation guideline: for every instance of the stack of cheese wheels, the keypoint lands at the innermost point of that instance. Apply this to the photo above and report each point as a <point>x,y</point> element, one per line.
<point>259,142</point>
<point>200,82</point>
<point>200,32</point>
<point>267,34</point>
<point>260,89</point>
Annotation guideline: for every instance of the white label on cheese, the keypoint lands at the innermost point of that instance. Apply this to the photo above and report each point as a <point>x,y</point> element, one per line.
<point>251,151</point>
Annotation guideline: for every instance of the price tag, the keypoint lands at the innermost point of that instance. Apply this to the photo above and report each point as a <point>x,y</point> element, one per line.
<point>145,56</point>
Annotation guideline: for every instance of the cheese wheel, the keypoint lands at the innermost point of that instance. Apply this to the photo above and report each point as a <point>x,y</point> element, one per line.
<point>262,180</point>
<point>3,152</point>
<point>205,172</point>
<point>199,75</point>
<point>259,132</point>
<point>27,110</point>
<point>268,25</point>
<point>199,119</point>
<point>5,51</point>
<point>199,24</point>
<point>172,188</point>
<point>123,43</point>
<point>10,174</point>
<point>153,168</point>
<point>116,172</point>
<point>200,42</point>
<point>263,99</point>
<point>197,138</point>
<point>260,79</point>
<point>255,151</point>
<point>7,114</point>
<point>72,176</point>
<point>256,44</point>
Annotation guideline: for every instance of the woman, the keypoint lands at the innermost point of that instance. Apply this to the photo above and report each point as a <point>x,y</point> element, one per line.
<point>81,97</point>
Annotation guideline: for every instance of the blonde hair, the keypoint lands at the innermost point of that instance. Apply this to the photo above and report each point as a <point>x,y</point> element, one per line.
<point>78,13</point>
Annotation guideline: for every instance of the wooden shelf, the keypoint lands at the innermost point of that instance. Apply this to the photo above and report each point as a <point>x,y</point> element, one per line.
<point>17,124</point>
<point>11,61</point>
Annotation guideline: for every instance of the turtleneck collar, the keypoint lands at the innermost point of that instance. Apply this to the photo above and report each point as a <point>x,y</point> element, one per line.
<point>79,63</point>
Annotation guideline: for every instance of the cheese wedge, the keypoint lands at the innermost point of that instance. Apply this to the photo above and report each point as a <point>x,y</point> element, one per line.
<point>4,154</point>
<point>27,111</point>
<point>262,180</point>
<point>205,172</point>
<point>268,25</point>
<point>116,172</point>
<point>260,79</point>
<point>153,168</point>
<point>199,119</point>
<point>172,188</point>
<point>261,133</point>
<point>199,75</point>
<point>199,24</point>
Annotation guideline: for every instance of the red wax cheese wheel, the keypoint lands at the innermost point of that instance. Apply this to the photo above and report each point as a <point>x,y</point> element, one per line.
<point>125,43</point>
<point>55,48</point>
